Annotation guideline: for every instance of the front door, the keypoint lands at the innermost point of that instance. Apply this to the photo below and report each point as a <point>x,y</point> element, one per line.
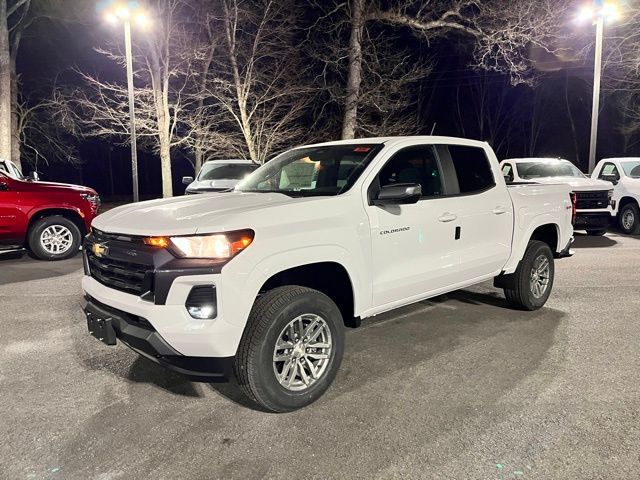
<point>414,247</point>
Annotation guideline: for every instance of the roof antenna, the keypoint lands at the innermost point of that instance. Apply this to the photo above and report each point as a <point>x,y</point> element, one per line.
<point>433,129</point>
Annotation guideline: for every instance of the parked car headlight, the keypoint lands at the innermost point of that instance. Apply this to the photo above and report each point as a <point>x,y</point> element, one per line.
<point>91,198</point>
<point>219,245</point>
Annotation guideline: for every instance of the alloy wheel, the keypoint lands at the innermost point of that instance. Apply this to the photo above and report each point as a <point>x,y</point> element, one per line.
<point>302,352</point>
<point>56,239</point>
<point>540,274</point>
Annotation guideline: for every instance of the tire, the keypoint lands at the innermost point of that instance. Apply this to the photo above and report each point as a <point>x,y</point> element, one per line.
<point>54,238</point>
<point>255,366</point>
<point>519,290</point>
<point>629,219</point>
<point>596,233</point>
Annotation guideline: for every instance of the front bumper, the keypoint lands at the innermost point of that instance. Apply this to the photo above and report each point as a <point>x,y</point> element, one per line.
<point>138,334</point>
<point>186,335</point>
<point>592,220</point>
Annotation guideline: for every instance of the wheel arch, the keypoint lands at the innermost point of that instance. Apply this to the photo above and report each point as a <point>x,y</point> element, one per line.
<point>67,213</point>
<point>329,277</point>
<point>624,201</point>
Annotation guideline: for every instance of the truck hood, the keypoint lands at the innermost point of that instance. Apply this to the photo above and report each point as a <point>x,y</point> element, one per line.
<point>54,186</point>
<point>579,184</point>
<point>205,213</point>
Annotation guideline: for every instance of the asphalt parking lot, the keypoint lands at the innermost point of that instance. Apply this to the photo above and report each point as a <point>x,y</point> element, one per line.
<point>460,387</point>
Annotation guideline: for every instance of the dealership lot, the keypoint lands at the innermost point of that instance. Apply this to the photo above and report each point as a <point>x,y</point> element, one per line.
<point>457,387</point>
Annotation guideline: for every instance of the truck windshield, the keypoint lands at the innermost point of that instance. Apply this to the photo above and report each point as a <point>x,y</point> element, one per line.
<point>529,170</point>
<point>313,171</point>
<point>632,168</point>
<point>225,171</point>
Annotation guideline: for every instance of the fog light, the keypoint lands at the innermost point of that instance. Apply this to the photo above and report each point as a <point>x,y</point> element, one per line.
<point>201,302</point>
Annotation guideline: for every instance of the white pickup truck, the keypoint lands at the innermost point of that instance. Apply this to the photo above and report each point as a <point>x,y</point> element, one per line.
<point>624,173</point>
<point>593,196</point>
<point>262,281</point>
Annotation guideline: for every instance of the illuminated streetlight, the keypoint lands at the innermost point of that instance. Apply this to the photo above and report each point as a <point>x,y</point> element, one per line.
<point>597,13</point>
<point>114,12</point>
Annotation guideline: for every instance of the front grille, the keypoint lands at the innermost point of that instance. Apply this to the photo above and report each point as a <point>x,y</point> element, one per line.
<point>124,263</point>
<point>125,276</point>
<point>592,200</point>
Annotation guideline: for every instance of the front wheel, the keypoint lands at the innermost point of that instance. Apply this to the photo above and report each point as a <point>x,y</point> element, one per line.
<point>54,238</point>
<point>291,348</point>
<point>629,219</point>
<point>530,285</point>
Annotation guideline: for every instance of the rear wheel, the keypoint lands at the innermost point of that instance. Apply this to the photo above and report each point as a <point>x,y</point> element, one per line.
<point>291,349</point>
<point>629,219</point>
<point>596,233</point>
<point>54,238</point>
<point>530,285</point>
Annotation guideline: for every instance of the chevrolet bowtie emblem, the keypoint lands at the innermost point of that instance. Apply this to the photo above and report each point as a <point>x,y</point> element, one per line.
<point>99,250</point>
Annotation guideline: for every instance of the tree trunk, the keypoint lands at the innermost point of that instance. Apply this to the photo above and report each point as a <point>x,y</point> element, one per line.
<point>165,162</point>
<point>571,121</point>
<point>5,85</point>
<point>199,157</point>
<point>15,117</point>
<point>354,79</point>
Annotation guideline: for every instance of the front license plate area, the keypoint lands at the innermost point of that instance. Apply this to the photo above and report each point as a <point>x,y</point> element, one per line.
<point>100,326</point>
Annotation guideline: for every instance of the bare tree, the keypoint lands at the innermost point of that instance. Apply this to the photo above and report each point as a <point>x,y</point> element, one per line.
<point>164,73</point>
<point>501,31</point>
<point>264,92</point>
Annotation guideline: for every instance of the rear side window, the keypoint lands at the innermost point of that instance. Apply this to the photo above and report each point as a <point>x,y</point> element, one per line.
<point>472,168</point>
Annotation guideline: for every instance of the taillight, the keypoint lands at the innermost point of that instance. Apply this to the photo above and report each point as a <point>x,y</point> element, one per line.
<point>573,207</point>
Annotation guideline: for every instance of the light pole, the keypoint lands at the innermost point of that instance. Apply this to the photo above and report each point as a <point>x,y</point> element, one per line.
<point>124,12</point>
<point>598,13</point>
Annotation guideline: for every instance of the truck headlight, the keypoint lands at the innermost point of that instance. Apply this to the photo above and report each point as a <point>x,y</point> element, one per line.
<point>219,245</point>
<point>95,199</point>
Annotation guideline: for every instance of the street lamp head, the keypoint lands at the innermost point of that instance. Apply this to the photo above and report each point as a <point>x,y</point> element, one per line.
<point>142,19</point>
<point>122,12</point>
<point>608,11</point>
<point>110,18</point>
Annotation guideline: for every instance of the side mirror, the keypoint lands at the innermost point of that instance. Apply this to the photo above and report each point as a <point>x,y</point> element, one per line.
<point>508,177</point>
<point>187,180</point>
<point>401,193</point>
<point>34,177</point>
<point>611,178</point>
<point>3,187</point>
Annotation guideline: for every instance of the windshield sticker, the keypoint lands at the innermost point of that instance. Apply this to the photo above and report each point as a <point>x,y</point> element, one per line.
<point>361,149</point>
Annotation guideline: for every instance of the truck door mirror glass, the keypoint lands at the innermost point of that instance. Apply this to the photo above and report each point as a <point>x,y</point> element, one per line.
<point>187,180</point>
<point>402,193</point>
<point>610,178</point>
<point>34,177</point>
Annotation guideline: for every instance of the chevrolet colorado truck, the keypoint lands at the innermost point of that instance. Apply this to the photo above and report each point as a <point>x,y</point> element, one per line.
<point>262,281</point>
<point>624,173</point>
<point>50,219</point>
<point>593,196</point>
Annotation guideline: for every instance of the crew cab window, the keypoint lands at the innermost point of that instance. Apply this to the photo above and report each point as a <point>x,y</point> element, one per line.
<point>414,165</point>
<point>472,168</point>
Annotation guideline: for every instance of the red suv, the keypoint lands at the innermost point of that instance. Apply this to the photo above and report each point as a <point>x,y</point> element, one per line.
<point>48,218</point>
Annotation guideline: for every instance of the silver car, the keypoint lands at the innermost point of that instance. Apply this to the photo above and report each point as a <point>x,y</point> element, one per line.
<point>218,176</point>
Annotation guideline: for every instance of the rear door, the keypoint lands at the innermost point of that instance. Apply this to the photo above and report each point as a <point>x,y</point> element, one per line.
<point>483,206</point>
<point>413,246</point>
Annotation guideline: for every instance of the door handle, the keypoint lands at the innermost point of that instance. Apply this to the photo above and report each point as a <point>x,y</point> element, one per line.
<point>447,217</point>
<point>499,210</point>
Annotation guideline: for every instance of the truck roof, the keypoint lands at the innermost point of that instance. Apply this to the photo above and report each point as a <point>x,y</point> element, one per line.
<point>394,140</point>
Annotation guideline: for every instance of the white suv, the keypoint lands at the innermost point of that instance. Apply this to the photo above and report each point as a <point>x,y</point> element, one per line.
<point>593,196</point>
<point>624,173</point>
